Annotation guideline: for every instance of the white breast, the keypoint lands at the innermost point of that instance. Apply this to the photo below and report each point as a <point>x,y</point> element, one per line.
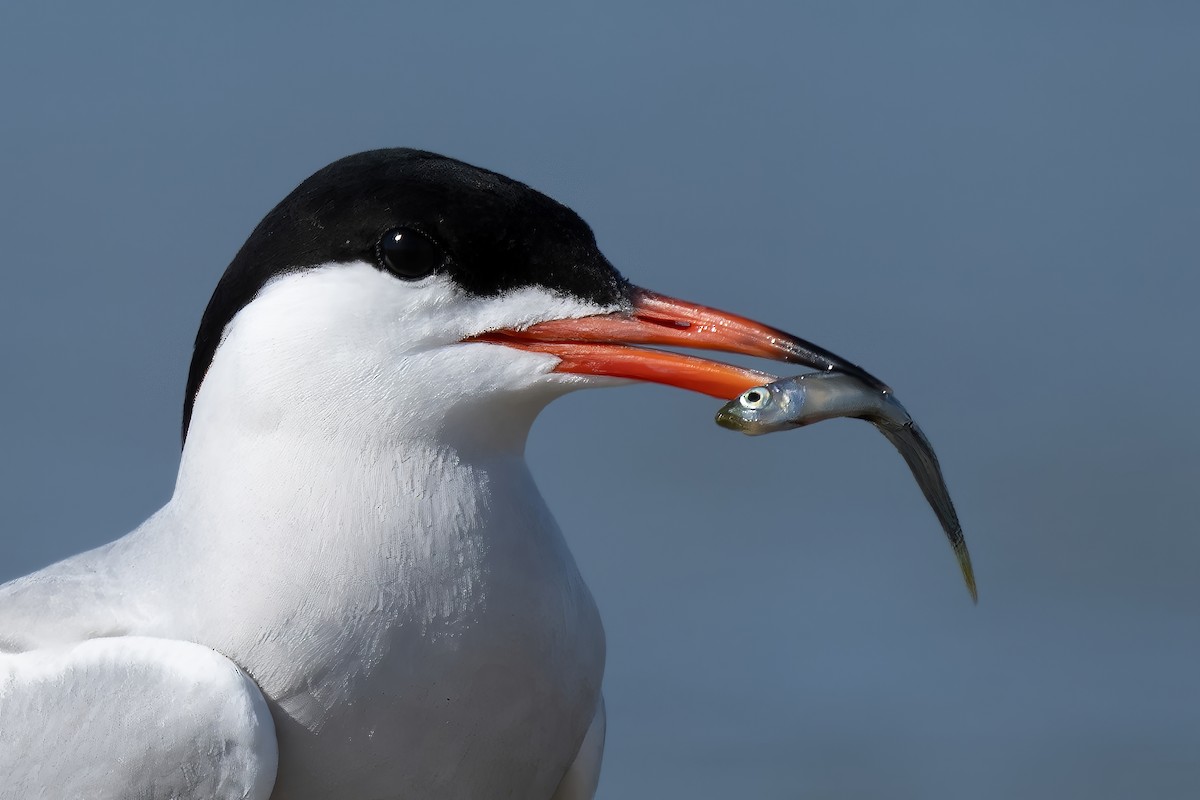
<point>450,630</point>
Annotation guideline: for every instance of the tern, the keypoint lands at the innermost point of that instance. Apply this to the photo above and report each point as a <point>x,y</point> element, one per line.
<point>356,590</point>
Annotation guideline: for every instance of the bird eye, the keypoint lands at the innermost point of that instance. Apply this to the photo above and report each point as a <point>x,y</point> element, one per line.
<point>754,399</point>
<point>408,253</point>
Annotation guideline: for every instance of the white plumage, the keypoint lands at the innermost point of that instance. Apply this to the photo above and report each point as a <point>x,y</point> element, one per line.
<point>362,536</point>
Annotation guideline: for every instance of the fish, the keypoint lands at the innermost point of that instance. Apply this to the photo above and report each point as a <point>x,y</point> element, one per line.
<point>816,396</point>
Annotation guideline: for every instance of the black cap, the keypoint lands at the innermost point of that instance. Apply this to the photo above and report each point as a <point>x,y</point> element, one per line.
<point>498,235</point>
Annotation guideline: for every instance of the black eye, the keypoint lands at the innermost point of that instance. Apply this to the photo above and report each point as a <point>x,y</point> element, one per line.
<point>408,253</point>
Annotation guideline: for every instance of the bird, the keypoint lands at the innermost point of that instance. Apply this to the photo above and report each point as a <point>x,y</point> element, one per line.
<point>355,590</point>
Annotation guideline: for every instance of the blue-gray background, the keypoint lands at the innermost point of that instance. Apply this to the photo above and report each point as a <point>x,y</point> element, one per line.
<point>993,206</point>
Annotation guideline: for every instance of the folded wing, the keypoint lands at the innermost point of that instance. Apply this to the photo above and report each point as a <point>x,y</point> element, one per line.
<point>132,717</point>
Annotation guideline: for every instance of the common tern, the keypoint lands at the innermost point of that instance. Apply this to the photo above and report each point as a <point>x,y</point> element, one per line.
<point>355,590</point>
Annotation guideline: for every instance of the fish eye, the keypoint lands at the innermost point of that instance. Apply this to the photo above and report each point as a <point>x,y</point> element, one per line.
<point>408,253</point>
<point>755,398</point>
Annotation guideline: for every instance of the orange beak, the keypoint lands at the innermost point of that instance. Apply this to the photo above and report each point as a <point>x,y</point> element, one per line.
<point>606,345</point>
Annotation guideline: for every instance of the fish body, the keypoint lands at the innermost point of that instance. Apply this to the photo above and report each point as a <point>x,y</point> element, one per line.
<point>804,399</point>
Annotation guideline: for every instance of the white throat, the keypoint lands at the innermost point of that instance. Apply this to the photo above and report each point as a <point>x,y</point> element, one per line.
<point>342,429</point>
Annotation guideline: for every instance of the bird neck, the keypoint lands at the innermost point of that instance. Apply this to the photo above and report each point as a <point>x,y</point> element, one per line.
<point>334,507</point>
<point>352,529</point>
<point>360,449</point>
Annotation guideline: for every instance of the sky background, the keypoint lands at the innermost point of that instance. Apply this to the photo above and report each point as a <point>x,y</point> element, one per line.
<point>993,207</point>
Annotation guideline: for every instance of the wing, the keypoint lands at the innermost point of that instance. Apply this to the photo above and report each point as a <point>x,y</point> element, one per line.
<point>580,781</point>
<point>132,718</point>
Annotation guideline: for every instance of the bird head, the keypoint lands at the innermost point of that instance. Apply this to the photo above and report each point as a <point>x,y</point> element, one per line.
<point>402,290</point>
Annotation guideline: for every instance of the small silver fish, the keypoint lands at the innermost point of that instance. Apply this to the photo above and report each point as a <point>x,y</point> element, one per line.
<point>805,399</point>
